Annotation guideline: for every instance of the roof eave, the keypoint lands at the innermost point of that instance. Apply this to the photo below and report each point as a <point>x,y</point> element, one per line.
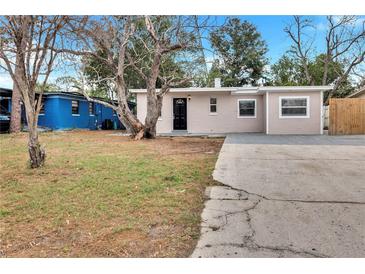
<point>245,90</point>
<point>191,90</point>
<point>295,88</point>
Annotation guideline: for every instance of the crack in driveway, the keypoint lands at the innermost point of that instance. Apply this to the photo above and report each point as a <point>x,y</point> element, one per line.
<point>295,200</point>
<point>248,240</point>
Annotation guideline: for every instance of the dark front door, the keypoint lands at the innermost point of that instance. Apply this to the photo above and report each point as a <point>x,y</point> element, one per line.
<point>180,114</point>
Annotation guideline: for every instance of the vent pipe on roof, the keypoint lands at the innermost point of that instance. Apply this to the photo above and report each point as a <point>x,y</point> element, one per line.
<point>217,82</point>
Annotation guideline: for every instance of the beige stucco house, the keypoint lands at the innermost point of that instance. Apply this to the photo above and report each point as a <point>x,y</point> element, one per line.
<point>270,110</point>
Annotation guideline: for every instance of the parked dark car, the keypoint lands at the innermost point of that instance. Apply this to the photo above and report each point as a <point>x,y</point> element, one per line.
<point>4,123</point>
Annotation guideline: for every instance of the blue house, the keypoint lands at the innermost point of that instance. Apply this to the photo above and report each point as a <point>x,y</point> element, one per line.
<point>66,110</point>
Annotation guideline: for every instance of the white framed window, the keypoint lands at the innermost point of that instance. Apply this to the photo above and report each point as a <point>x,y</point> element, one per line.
<point>91,108</point>
<point>294,107</point>
<point>213,106</point>
<point>75,108</point>
<point>246,108</point>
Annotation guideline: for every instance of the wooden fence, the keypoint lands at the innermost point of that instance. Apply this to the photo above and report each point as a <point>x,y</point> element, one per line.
<point>346,116</point>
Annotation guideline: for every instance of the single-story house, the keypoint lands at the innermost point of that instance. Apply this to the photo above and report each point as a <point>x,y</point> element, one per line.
<point>270,110</point>
<point>358,94</point>
<point>67,110</point>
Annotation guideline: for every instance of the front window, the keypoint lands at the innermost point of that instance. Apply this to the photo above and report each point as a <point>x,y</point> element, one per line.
<point>294,107</point>
<point>247,108</point>
<point>91,108</point>
<point>75,107</point>
<point>213,105</point>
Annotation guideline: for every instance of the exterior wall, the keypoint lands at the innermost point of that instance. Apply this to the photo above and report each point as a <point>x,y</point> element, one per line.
<point>199,119</point>
<point>58,114</point>
<point>311,125</point>
<point>50,118</point>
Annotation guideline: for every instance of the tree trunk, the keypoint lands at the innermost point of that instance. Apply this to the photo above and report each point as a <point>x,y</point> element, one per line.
<point>131,123</point>
<point>154,105</point>
<point>15,118</point>
<point>37,154</point>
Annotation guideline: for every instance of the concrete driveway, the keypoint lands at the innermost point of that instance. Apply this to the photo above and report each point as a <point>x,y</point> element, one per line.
<point>286,196</point>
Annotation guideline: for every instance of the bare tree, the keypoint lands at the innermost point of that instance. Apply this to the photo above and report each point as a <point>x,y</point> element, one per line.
<point>140,43</point>
<point>344,43</point>
<point>26,47</point>
<point>301,47</point>
<point>111,35</point>
<point>347,41</point>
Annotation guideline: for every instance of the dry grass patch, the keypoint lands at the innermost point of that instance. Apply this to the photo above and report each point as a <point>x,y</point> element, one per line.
<point>103,196</point>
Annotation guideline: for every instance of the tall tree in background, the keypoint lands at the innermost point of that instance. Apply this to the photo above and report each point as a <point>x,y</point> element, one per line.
<point>241,53</point>
<point>27,49</point>
<point>289,71</point>
<point>216,71</point>
<point>344,45</point>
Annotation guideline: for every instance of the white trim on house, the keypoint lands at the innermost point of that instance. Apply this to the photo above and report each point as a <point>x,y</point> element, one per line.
<point>238,108</point>
<point>187,90</point>
<point>244,90</point>
<point>295,117</point>
<point>295,88</point>
<point>267,112</point>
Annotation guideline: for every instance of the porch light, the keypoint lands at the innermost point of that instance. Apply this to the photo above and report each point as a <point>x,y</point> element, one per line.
<point>189,97</point>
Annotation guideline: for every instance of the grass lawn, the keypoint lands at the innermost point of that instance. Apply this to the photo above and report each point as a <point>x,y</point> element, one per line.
<point>103,196</point>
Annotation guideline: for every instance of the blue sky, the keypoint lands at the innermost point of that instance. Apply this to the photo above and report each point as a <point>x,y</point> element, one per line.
<point>270,27</point>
